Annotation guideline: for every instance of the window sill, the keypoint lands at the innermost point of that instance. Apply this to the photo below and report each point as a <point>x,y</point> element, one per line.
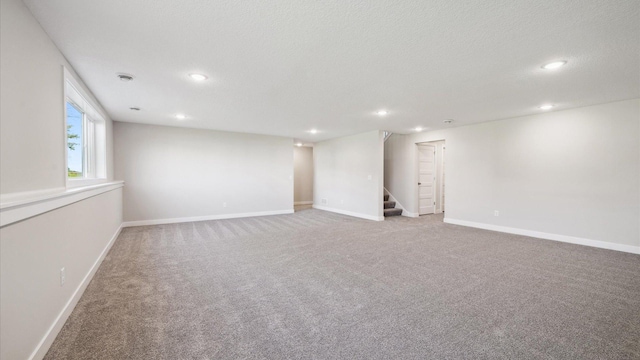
<point>76,183</point>
<point>20,206</point>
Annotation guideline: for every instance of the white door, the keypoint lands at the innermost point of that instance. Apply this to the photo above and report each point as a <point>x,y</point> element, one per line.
<point>442,177</point>
<point>426,179</point>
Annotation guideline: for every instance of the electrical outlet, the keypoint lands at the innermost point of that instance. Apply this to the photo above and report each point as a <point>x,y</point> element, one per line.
<point>496,213</point>
<point>369,177</point>
<point>63,276</point>
<point>342,201</point>
<point>224,204</point>
<point>324,201</point>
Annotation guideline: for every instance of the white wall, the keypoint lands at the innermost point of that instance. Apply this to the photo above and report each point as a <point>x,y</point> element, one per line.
<point>303,175</point>
<point>32,160</point>
<point>177,173</point>
<point>32,130</point>
<point>32,252</point>
<point>574,173</point>
<point>342,169</point>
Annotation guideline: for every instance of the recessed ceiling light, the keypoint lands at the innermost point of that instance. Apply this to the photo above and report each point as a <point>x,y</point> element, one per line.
<point>299,144</point>
<point>198,77</point>
<point>313,131</point>
<point>134,108</point>
<point>546,107</point>
<point>554,65</point>
<point>125,77</point>
<point>448,121</point>
<point>382,112</point>
<point>181,116</point>
<point>418,129</point>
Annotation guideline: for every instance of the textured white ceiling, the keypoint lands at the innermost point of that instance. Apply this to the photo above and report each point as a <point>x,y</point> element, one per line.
<point>284,67</point>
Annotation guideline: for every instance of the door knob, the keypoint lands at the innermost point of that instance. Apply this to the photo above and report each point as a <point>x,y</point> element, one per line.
<point>419,183</point>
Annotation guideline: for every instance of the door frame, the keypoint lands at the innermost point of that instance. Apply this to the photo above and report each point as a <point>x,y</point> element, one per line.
<point>417,182</point>
<point>439,177</point>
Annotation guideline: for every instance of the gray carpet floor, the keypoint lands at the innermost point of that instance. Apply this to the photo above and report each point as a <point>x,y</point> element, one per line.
<point>318,285</point>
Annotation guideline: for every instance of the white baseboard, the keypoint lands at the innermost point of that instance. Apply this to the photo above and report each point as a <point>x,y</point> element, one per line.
<point>204,218</point>
<point>350,213</point>
<point>548,236</point>
<point>409,214</point>
<point>303,203</point>
<point>44,344</point>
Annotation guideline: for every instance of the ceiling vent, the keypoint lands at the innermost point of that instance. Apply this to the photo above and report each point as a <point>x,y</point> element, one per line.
<point>125,77</point>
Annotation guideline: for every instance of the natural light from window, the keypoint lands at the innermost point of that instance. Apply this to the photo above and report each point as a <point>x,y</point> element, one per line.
<point>86,136</point>
<point>75,163</point>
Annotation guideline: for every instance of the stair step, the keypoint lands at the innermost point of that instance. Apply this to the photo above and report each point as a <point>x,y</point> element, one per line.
<point>389,204</point>
<point>386,197</point>
<point>392,212</point>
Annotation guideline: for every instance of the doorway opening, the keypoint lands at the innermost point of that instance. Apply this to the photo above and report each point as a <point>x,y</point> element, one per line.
<point>430,179</point>
<point>302,177</point>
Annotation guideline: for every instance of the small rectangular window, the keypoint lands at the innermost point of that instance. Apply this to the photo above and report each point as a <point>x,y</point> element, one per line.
<point>85,136</point>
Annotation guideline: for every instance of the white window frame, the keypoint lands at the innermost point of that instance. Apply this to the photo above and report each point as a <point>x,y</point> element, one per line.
<point>94,154</point>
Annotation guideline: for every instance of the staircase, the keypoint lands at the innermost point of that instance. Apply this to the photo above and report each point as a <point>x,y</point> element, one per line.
<point>390,207</point>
